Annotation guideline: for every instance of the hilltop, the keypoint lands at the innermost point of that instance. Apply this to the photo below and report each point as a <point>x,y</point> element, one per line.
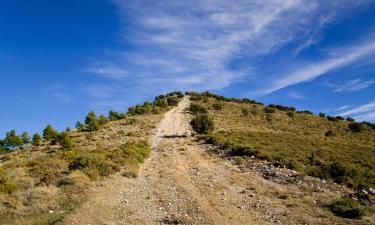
<point>208,160</point>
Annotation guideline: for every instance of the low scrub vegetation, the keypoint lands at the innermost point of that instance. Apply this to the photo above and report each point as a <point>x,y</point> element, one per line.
<point>348,208</point>
<point>343,151</point>
<point>54,170</point>
<point>202,124</point>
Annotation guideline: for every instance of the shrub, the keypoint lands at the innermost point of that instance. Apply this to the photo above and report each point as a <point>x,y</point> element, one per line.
<point>162,103</point>
<point>323,115</point>
<point>245,111</point>
<point>95,165</point>
<point>340,118</point>
<point>196,108</point>
<point>172,100</point>
<point>329,133</point>
<point>290,114</point>
<point>332,119</point>
<point>47,170</point>
<point>202,124</point>
<point>350,119</point>
<point>269,110</point>
<point>217,106</point>
<point>348,208</point>
<point>112,115</point>
<point>355,127</point>
<point>7,185</point>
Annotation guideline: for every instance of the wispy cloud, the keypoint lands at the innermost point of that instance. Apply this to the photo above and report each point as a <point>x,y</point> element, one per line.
<point>314,70</point>
<point>362,112</point>
<point>296,95</point>
<point>343,107</point>
<point>351,85</point>
<point>57,91</point>
<point>195,42</point>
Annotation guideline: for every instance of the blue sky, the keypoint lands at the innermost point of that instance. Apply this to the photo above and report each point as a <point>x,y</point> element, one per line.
<point>61,59</point>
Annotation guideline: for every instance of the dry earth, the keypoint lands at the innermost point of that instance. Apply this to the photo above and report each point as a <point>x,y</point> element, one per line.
<point>181,183</point>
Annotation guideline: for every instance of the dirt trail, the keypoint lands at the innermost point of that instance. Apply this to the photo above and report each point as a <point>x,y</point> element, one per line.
<point>179,184</point>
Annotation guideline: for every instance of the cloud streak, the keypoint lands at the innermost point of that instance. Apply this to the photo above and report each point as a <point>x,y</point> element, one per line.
<point>199,40</point>
<point>315,70</point>
<point>352,85</point>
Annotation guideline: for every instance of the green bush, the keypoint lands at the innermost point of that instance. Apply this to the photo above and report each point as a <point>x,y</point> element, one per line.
<point>95,165</point>
<point>202,124</point>
<point>172,100</point>
<point>196,108</point>
<point>348,208</point>
<point>217,106</point>
<point>269,110</point>
<point>355,127</point>
<point>112,115</point>
<point>47,170</point>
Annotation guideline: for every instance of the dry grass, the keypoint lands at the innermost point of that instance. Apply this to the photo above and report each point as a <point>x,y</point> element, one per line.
<point>40,185</point>
<point>291,140</point>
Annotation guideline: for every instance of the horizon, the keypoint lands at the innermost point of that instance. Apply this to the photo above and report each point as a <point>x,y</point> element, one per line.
<point>59,61</point>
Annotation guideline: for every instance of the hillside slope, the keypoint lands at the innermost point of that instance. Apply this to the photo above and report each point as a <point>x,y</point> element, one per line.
<point>182,183</point>
<point>233,174</point>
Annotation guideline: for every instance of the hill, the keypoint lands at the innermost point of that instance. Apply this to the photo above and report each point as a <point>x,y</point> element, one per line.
<point>243,163</point>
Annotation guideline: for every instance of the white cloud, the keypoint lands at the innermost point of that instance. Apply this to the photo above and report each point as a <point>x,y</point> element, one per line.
<point>343,107</point>
<point>178,40</point>
<point>352,85</point>
<point>296,95</point>
<point>360,110</point>
<point>312,71</point>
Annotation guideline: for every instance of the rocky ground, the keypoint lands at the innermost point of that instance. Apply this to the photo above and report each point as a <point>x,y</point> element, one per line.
<point>184,183</point>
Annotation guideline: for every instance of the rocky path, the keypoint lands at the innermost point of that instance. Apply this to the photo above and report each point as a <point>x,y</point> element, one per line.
<point>179,184</point>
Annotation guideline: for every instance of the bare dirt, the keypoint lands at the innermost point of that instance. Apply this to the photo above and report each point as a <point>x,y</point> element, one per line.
<point>181,183</point>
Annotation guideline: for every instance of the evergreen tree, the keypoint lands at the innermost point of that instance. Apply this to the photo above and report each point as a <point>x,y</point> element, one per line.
<point>2,146</point>
<point>37,139</point>
<point>65,141</point>
<point>102,120</point>
<point>12,140</point>
<point>92,122</point>
<point>112,115</point>
<point>80,126</point>
<point>50,134</point>
<point>25,138</point>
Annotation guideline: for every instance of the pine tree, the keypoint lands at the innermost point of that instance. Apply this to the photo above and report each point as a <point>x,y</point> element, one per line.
<point>102,120</point>
<point>80,126</point>
<point>65,141</point>
<point>50,134</point>
<point>12,140</point>
<point>37,139</point>
<point>25,138</point>
<point>92,122</point>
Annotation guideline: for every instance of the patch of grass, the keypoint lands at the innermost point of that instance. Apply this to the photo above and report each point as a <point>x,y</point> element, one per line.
<point>348,208</point>
<point>7,185</point>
